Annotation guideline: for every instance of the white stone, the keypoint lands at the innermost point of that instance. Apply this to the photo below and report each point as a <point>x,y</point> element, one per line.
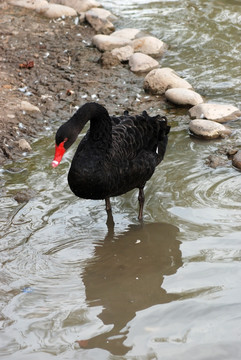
<point>128,33</point>
<point>102,13</point>
<point>123,53</point>
<point>217,112</point>
<point>158,81</point>
<point>108,43</point>
<point>149,45</point>
<point>56,11</point>
<point>182,96</point>
<point>208,129</point>
<point>27,106</point>
<point>78,5</point>
<point>142,63</point>
<point>30,4</point>
<point>100,20</point>
<point>24,145</point>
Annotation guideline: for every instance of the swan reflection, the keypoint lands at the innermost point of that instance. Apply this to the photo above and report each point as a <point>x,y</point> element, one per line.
<point>125,276</point>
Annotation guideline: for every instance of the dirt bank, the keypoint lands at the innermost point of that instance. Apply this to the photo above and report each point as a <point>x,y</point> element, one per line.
<point>52,65</point>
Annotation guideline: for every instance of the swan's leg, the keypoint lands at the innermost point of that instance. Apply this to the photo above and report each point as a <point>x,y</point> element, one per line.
<point>110,221</point>
<point>141,199</point>
<point>107,204</point>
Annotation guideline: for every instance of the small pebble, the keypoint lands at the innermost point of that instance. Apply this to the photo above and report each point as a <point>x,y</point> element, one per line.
<point>24,145</point>
<point>24,196</point>
<point>215,161</point>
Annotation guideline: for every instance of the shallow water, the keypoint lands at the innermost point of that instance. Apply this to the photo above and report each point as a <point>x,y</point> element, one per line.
<point>203,38</point>
<point>170,288</point>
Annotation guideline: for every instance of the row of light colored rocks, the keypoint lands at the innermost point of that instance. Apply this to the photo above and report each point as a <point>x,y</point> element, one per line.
<point>148,45</point>
<point>57,8</point>
<point>139,49</point>
<point>127,44</point>
<point>178,91</point>
<point>209,118</point>
<point>90,10</point>
<point>131,45</point>
<point>165,81</point>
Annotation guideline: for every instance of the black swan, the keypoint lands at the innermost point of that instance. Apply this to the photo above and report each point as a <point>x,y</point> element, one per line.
<point>116,155</point>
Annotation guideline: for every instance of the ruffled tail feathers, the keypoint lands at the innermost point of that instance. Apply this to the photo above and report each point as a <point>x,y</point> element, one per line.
<point>162,137</point>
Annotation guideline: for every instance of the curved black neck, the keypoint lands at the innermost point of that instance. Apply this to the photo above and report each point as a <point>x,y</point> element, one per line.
<point>100,124</point>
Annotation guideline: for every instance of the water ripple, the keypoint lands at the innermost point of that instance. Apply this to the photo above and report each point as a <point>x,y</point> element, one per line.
<point>66,277</point>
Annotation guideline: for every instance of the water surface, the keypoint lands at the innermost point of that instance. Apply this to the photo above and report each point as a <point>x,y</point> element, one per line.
<point>169,288</point>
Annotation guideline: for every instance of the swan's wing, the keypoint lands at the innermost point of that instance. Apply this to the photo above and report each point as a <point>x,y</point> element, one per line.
<point>135,134</point>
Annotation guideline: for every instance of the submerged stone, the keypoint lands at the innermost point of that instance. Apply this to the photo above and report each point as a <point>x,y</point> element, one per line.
<point>215,161</point>
<point>24,195</point>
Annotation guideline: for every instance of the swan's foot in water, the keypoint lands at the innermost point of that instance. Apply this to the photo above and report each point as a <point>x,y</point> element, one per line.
<point>141,199</point>
<point>110,221</point>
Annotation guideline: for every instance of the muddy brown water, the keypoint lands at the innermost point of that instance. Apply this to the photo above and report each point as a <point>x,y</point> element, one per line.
<point>74,288</point>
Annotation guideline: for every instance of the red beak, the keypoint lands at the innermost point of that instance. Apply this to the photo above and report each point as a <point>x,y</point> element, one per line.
<point>59,153</point>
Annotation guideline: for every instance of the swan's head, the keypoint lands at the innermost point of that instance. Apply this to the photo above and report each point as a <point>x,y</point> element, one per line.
<point>59,152</point>
<point>65,136</point>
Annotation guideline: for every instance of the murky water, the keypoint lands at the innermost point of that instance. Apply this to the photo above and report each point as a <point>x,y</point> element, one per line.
<point>72,287</point>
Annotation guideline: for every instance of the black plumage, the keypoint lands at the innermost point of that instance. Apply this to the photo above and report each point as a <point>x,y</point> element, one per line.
<point>116,155</point>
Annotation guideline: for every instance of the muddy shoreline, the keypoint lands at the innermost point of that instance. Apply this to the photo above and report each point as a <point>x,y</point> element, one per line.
<point>66,73</point>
